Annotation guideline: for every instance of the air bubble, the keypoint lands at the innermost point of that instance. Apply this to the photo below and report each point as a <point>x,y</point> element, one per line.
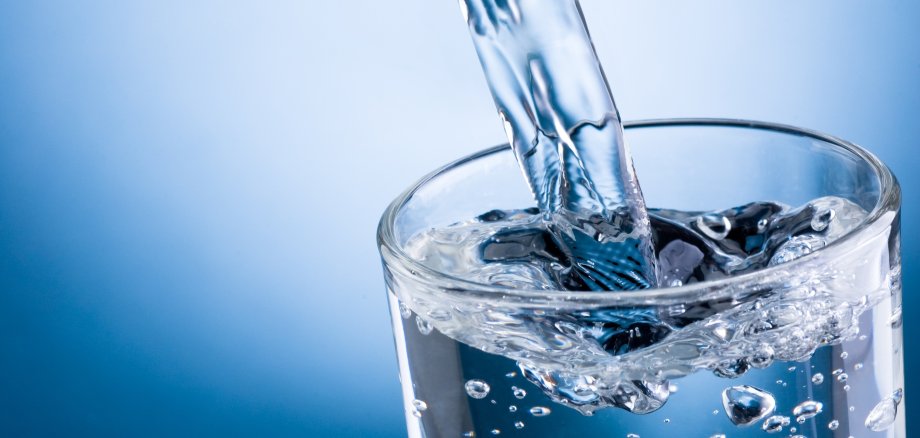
<point>424,327</point>
<point>496,431</point>
<point>775,423</point>
<point>833,425</point>
<point>822,219</point>
<point>747,404</point>
<point>667,420</point>
<point>518,392</point>
<point>858,366</point>
<point>884,413</point>
<point>469,433</point>
<point>842,377</point>
<point>540,411</point>
<point>511,374</point>
<point>718,435</point>
<point>896,320</point>
<point>418,406</point>
<point>807,409</point>
<point>519,425</point>
<point>632,435</point>
<point>404,310</point>
<point>477,389</point>
<point>439,315</point>
<point>512,408</point>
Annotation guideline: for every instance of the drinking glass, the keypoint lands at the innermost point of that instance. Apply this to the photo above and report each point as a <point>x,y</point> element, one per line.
<point>826,327</point>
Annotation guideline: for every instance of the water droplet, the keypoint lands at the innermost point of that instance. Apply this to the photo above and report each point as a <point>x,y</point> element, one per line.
<point>885,412</point>
<point>404,310</point>
<point>714,225</point>
<point>519,425</point>
<point>833,425</point>
<point>424,327</point>
<point>806,410</point>
<point>540,411</point>
<point>858,366</point>
<point>518,392</point>
<point>496,431</point>
<point>477,389</point>
<point>822,219</point>
<point>747,404</point>
<point>842,377</point>
<point>775,423</point>
<point>419,406</point>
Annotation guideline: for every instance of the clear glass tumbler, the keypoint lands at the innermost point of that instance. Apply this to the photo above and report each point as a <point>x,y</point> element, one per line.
<point>825,328</point>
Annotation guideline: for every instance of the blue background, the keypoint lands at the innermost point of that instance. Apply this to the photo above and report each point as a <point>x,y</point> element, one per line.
<point>189,190</point>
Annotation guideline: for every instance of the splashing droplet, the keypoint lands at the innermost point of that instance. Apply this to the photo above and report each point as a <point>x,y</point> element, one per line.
<point>775,423</point>
<point>714,225</point>
<point>540,411</point>
<point>807,409</point>
<point>747,404</point>
<point>884,413</point>
<point>477,389</point>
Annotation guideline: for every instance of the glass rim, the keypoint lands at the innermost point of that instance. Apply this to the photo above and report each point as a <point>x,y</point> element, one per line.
<point>889,200</point>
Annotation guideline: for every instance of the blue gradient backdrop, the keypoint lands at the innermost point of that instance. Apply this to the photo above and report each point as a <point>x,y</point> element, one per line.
<point>189,190</point>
